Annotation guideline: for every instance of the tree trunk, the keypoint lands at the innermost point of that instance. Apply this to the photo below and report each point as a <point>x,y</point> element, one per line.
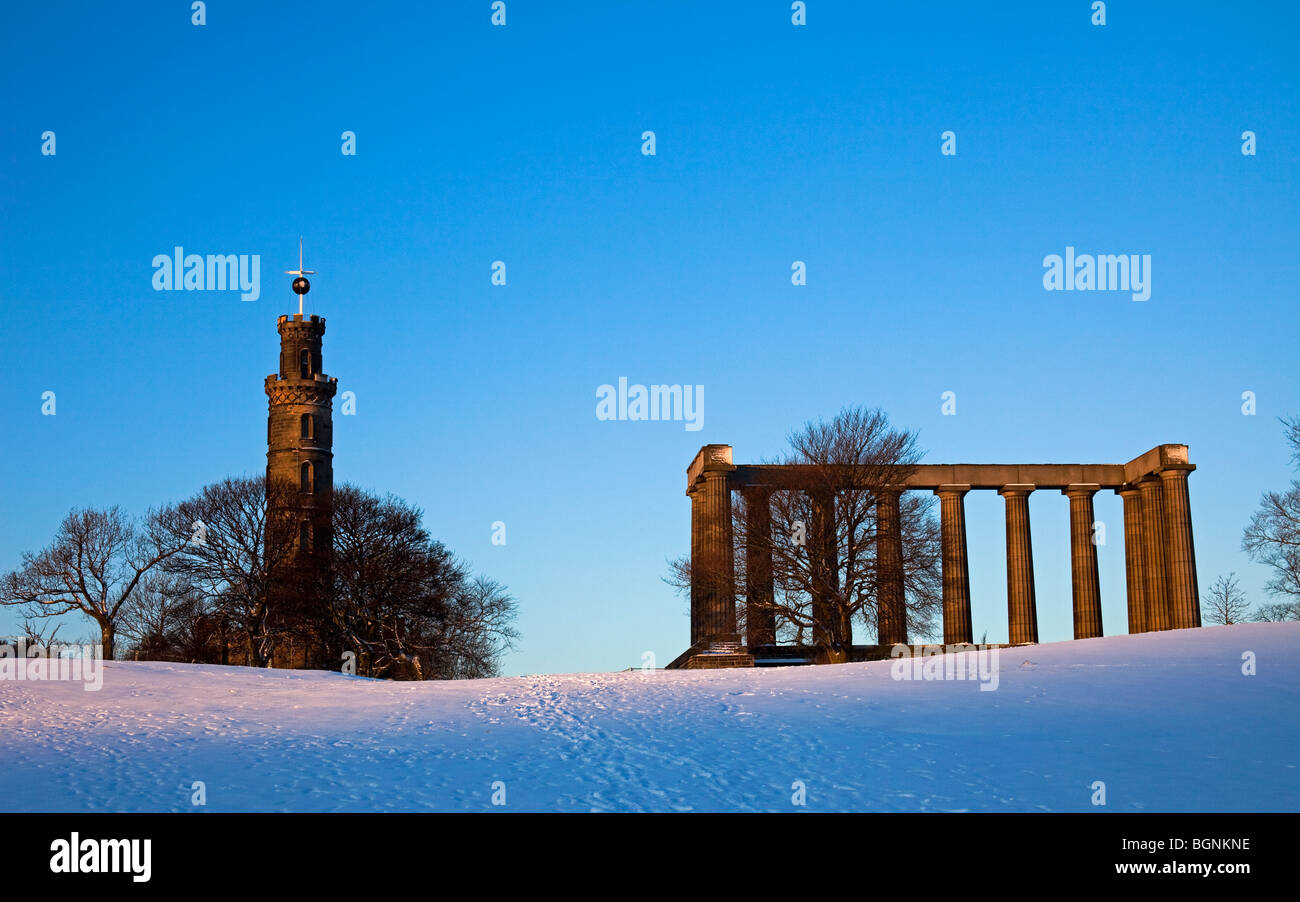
<point>107,638</point>
<point>257,656</point>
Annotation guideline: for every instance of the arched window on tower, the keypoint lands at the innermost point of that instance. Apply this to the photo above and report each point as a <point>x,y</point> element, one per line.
<point>308,478</point>
<point>304,362</point>
<point>304,536</point>
<point>308,426</point>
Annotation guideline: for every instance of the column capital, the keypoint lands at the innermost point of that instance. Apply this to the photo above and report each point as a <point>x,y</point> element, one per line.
<point>955,488</point>
<point>709,458</point>
<point>1022,488</point>
<point>1081,489</point>
<point>1153,461</point>
<point>1178,471</point>
<point>1128,490</point>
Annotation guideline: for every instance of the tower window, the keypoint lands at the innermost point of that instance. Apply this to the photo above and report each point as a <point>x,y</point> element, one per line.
<point>304,362</point>
<point>308,426</point>
<point>308,478</point>
<point>304,535</point>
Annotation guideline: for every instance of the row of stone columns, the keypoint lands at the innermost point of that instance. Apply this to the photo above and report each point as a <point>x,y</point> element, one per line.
<point>713,609</point>
<point>1160,559</point>
<point>1160,563</point>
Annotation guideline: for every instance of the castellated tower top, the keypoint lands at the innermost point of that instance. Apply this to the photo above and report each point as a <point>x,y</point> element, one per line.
<point>300,349</point>
<point>299,321</point>
<point>300,345</point>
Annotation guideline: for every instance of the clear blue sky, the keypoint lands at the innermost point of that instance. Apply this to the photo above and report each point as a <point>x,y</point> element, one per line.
<point>522,144</point>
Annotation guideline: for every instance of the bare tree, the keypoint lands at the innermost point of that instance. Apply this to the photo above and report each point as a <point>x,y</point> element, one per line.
<point>1273,535</point>
<point>821,537</point>
<point>388,577</point>
<point>44,633</point>
<point>94,566</point>
<point>402,602</point>
<point>159,616</point>
<point>477,630</point>
<point>1285,610</point>
<point>1224,602</point>
<point>229,549</point>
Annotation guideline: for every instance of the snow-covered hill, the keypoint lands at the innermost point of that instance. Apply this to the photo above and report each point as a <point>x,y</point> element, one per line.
<point>1167,721</point>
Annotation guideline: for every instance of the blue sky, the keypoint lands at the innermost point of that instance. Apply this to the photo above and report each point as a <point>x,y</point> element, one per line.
<point>775,143</point>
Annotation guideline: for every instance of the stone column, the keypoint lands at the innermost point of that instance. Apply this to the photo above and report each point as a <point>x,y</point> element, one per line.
<point>696,494</point>
<point>1154,546</point>
<point>760,621</point>
<point>823,553</point>
<point>1134,566</point>
<point>718,601</point>
<point>1180,557</point>
<point>891,606</point>
<point>957,625</point>
<point>1084,580</point>
<point>1022,613</point>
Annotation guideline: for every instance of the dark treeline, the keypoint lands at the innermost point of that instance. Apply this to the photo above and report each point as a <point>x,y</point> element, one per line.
<point>193,582</point>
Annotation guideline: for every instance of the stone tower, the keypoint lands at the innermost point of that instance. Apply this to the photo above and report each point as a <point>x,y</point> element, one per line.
<point>299,474</point>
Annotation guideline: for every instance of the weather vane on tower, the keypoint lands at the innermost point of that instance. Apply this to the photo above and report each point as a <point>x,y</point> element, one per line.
<point>300,285</point>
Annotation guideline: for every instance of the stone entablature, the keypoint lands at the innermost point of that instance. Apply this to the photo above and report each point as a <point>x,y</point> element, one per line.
<point>978,476</point>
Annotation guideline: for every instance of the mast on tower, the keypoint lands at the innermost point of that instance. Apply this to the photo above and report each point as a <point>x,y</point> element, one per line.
<point>300,285</point>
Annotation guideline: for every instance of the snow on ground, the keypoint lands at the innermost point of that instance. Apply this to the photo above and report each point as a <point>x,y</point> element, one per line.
<point>1166,720</point>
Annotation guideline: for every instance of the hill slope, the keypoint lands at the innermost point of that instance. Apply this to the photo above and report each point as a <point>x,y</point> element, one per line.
<point>1167,720</point>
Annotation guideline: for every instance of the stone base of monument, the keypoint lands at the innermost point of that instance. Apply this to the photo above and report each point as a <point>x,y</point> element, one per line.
<point>714,656</point>
<point>713,661</point>
<point>735,654</point>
